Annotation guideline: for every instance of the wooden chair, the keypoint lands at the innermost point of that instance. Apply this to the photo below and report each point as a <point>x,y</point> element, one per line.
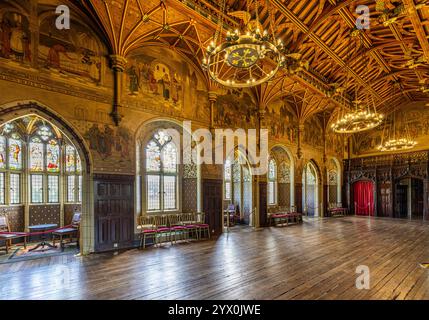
<point>176,227</point>
<point>202,226</point>
<point>72,232</point>
<point>230,213</point>
<point>8,237</point>
<point>162,227</point>
<point>147,229</point>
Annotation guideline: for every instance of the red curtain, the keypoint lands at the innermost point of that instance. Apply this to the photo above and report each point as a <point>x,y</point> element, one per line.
<point>364,198</point>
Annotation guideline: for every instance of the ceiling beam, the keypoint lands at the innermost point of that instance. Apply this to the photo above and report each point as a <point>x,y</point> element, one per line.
<point>417,25</point>
<point>316,39</point>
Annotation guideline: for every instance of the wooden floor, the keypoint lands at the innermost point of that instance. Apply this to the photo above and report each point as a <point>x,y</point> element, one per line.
<point>316,260</point>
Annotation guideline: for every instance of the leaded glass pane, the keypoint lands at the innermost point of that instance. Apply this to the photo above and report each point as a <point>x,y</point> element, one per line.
<point>36,188</point>
<point>169,192</point>
<point>79,191</point>
<point>272,170</point>
<point>15,188</point>
<point>153,157</point>
<point>227,171</point>
<point>162,137</point>
<point>53,156</point>
<point>2,198</point>
<point>15,154</point>
<point>153,192</point>
<point>53,193</point>
<point>2,152</point>
<point>70,159</point>
<point>44,132</point>
<point>71,181</point>
<point>228,190</point>
<point>36,155</point>
<point>271,192</point>
<point>169,157</point>
<point>78,163</point>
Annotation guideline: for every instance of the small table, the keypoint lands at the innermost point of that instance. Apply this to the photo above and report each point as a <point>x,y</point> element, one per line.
<point>42,228</point>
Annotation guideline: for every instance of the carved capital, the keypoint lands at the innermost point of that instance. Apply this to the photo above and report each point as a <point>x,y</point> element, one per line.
<point>212,96</point>
<point>117,62</point>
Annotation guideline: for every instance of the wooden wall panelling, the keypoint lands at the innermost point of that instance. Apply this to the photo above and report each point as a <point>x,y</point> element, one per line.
<point>263,221</point>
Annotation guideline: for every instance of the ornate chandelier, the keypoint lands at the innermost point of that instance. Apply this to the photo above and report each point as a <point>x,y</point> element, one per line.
<point>395,140</point>
<point>360,119</point>
<point>361,116</point>
<point>245,58</point>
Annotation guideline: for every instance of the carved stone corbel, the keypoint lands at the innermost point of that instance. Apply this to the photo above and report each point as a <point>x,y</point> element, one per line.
<point>118,64</point>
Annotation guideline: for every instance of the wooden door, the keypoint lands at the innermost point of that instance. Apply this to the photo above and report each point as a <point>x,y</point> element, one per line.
<point>401,201</point>
<point>263,221</point>
<point>384,200</point>
<point>212,204</point>
<point>114,212</point>
<point>417,199</point>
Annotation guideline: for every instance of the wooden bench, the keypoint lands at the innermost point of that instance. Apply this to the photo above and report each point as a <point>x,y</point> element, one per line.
<point>282,218</point>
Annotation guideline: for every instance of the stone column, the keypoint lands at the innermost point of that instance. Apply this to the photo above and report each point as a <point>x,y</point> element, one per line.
<point>300,133</point>
<point>212,101</point>
<point>118,64</point>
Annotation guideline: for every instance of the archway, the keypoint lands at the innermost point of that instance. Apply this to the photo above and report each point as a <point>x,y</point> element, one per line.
<point>284,182</point>
<point>310,190</point>
<point>408,198</point>
<point>238,190</point>
<point>53,177</point>
<point>334,183</point>
<point>363,198</point>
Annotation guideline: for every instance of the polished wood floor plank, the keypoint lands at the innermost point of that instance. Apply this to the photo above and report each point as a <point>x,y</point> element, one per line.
<point>316,260</point>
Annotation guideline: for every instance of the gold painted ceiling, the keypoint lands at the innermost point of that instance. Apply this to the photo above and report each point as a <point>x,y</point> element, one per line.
<point>394,50</point>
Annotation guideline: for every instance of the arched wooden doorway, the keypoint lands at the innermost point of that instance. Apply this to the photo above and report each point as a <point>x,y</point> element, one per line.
<point>408,198</point>
<point>363,198</point>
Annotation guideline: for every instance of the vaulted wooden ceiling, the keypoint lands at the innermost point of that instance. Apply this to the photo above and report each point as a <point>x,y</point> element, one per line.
<point>394,50</point>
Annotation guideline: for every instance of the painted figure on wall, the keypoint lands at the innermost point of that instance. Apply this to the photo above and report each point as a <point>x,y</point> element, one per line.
<point>15,37</point>
<point>109,142</point>
<point>283,124</point>
<point>235,109</point>
<point>71,53</point>
<point>160,83</point>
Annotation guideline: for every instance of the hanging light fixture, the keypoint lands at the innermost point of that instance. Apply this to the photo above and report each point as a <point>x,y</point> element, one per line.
<point>394,139</point>
<point>361,116</point>
<point>246,57</point>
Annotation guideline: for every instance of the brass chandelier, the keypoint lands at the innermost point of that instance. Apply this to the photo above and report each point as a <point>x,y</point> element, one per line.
<point>247,57</point>
<point>394,139</point>
<point>361,116</point>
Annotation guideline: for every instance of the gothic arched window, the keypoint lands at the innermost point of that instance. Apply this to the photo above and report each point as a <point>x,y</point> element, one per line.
<point>272,182</point>
<point>161,173</point>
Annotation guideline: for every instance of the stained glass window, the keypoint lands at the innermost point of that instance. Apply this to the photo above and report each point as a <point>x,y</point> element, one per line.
<point>15,154</point>
<point>169,158</point>
<point>2,152</point>
<point>36,155</point>
<point>227,179</point>
<point>272,182</point>
<point>70,159</point>
<point>161,166</point>
<point>153,156</point>
<point>53,156</point>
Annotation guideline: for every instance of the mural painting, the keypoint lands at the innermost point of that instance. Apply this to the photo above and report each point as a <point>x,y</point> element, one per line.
<point>282,123</point>
<point>313,133</point>
<point>112,145</point>
<point>235,109</point>
<point>71,53</point>
<point>15,39</point>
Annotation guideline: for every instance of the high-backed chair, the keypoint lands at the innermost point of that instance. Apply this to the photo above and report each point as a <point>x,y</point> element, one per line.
<point>176,227</point>
<point>147,229</point>
<point>72,232</point>
<point>7,236</point>
<point>202,226</point>
<point>189,221</point>
<point>162,227</point>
